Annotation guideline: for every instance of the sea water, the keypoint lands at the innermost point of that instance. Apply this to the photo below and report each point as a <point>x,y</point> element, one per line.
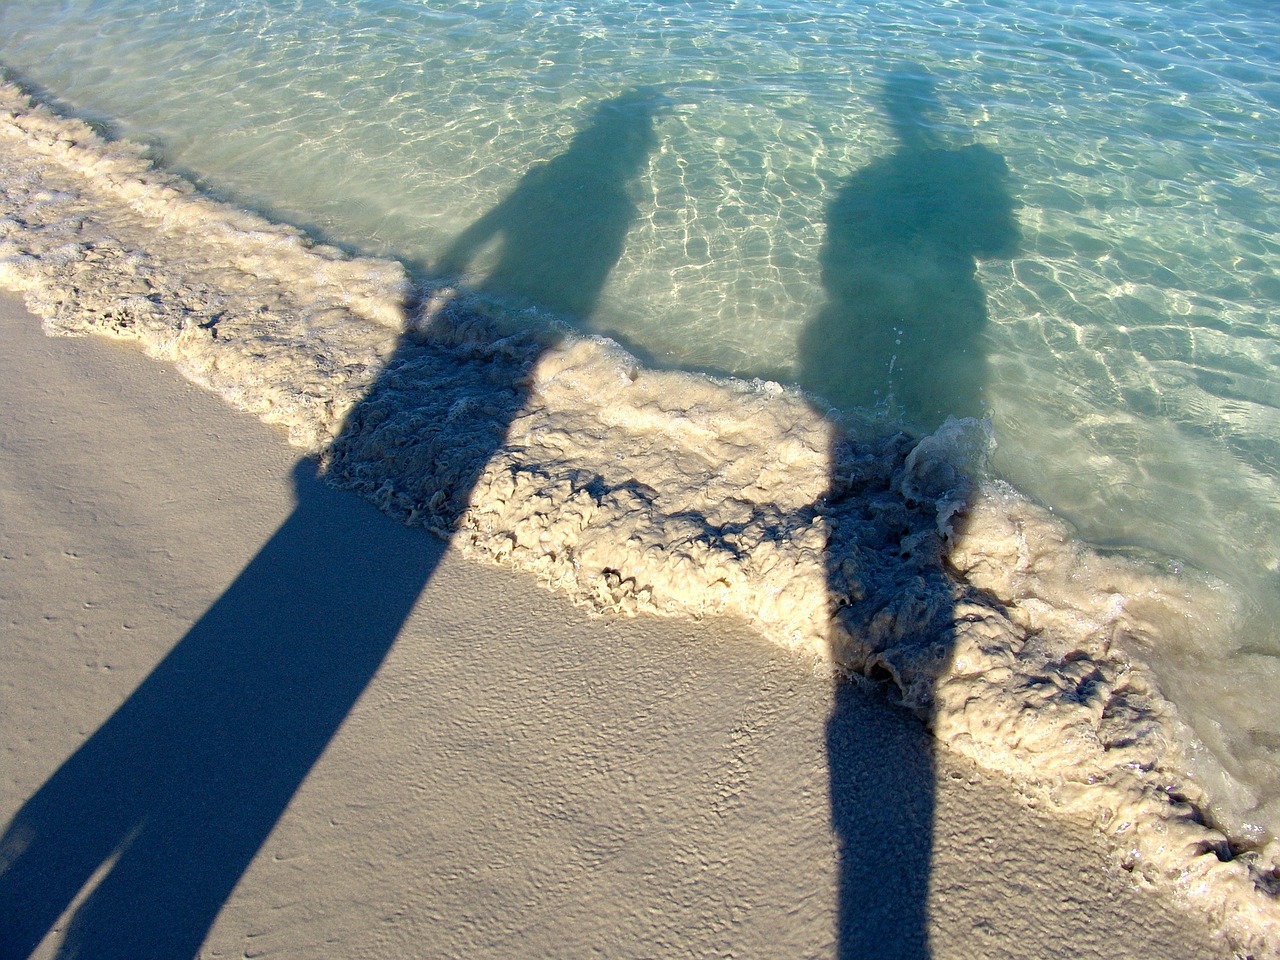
<point>1107,270</point>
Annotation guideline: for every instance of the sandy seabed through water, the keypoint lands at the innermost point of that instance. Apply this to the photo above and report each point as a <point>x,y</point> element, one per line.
<point>635,490</point>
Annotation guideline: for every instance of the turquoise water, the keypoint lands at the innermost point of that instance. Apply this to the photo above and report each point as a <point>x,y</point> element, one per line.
<point>1084,198</point>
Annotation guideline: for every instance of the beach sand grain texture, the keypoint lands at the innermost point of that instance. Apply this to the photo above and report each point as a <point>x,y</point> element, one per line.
<point>518,778</point>
<point>629,489</point>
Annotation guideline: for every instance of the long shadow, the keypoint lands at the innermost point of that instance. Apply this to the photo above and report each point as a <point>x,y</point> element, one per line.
<point>176,791</point>
<point>154,819</point>
<point>901,331</point>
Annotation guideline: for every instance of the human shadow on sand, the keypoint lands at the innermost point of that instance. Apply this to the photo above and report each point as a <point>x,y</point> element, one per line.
<point>901,332</point>
<point>154,819</point>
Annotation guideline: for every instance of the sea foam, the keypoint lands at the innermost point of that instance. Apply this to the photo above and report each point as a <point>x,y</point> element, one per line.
<point>644,491</point>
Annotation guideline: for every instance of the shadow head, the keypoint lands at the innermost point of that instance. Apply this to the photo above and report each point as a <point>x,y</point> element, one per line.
<point>909,99</point>
<point>622,132</point>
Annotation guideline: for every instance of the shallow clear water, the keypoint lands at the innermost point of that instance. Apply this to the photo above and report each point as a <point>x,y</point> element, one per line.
<point>1110,168</point>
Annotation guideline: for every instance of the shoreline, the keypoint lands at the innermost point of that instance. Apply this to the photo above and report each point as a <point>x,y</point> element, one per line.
<point>105,243</point>
<point>518,776</point>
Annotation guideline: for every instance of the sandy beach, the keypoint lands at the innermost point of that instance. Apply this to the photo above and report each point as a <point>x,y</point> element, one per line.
<point>496,774</point>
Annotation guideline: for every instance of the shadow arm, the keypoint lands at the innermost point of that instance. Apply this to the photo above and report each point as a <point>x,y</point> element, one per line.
<point>462,250</point>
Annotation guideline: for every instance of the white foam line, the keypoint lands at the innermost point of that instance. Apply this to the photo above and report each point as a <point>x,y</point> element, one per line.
<point>642,491</point>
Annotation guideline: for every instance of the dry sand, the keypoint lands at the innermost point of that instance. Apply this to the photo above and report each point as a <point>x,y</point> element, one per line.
<point>228,716</point>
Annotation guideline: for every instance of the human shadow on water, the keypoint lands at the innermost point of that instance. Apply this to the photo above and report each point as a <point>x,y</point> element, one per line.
<point>157,815</point>
<point>905,315</point>
<point>900,332</point>
<point>562,230</point>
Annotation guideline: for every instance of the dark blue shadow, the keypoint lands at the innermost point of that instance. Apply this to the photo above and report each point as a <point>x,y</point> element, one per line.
<point>172,797</point>
<point>901,331</point>
<point>176,792</point>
